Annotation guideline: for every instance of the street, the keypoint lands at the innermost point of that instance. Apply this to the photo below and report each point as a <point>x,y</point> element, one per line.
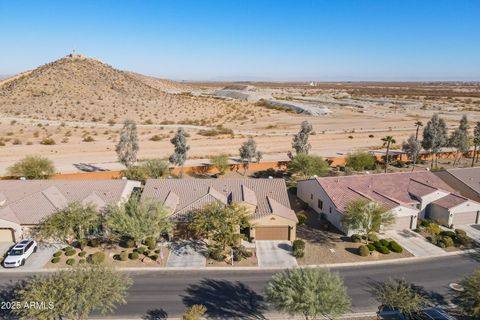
<point>238,294</point>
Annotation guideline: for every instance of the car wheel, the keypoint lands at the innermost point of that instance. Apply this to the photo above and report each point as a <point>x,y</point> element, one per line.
<point>23,262</point>
<point>35,249</point>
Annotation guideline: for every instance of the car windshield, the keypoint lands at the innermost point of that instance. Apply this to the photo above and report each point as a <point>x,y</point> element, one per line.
<point>16,252</point>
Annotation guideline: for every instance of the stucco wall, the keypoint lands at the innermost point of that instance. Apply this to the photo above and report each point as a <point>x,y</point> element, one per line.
<point>426,200</point>
<point>17,229</point>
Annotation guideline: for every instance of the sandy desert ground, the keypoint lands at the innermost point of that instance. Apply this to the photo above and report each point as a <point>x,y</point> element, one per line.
<point>80,103</point>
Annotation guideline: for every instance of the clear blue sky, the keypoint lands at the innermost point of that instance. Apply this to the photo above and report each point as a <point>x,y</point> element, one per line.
<point>251,39</point>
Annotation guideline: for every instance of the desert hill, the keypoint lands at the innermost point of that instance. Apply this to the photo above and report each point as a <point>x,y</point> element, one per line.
<point>84,89</point>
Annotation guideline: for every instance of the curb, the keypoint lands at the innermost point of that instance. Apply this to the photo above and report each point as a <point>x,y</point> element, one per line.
<point>328,265</point>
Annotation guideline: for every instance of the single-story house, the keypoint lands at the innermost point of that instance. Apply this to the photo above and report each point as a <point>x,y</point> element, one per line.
<point>266,201</point>
<point>410,195</point>
<point>24,203</point>
<point>465,180</point>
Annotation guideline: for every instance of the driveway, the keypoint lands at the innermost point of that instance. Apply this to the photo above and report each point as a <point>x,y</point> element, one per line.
<point>187,254</point>
<point>4,246</point>
<point>275,254</point>
<point>38,259</point>
<point>472,230</point>
<point>415,243</point>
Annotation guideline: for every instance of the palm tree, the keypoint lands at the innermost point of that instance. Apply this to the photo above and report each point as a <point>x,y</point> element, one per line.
<point>387,141</point>
<point>418,124</point>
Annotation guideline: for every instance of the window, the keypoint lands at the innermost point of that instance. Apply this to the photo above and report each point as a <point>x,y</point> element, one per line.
<point>320,204</point>
<point>330,210</point>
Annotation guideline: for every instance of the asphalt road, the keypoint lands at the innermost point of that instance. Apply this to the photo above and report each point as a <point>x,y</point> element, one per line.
<point>238,294</point>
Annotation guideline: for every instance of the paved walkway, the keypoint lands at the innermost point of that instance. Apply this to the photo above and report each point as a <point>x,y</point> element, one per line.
<point>472,230</point>
<point>272,254</point>
<point>415,243</point>
<point>187,254</point>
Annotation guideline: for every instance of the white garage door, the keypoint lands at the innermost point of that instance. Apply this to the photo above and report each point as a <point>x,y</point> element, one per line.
<point>469,217</point>
<point>402,223</point>
<point>6,235</point>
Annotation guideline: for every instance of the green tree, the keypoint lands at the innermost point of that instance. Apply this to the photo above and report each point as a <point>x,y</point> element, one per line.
<point>399,294</point>
<point>248,152</point>
<point>32,167</point>
<point>156,168</point>
<point>366,217</point>
<point>127,147</point>
<point>412,148</point>
<point>310,292</point>
<point>194,312</point>
<point>74,222</point>
<point>220,163</point>
<point>300,140</point>
<point>418,124</point>
<point>435,136</point>
<point>387,142</point>
<point>220,223</point>
<point>359,161</point>
<point>139,219</point>
<point>476,141</point>
<point>181,148</point>
<point>75,294</point>
<point>460,139</point>
<point>469,298</point>
<point>304,166</point>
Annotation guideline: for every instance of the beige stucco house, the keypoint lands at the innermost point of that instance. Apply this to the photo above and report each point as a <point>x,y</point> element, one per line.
<point>24,203</point>
<point>409,195</point>
<point>265,199</point>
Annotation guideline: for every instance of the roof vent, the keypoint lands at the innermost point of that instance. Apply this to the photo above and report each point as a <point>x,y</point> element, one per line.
<point>367,172</point>
<point>270,177</point>
<point>428,169</point>
<point>23,178</point>
<point>124,178</point>
<point>315,176</point>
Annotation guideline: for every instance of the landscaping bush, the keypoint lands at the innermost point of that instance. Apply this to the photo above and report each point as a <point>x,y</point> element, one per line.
<point>395,247</point>
<point>140,250</point>
<point>356,238</point>
<point>82,261</point>
<point>94,242</point>
<point>97,258</point>
<point>363,251</point>
<point>70,262</point>
<point>377,244</point>
<point>215,253</point>
<point>69,248</point>
<point>298,248</point>
<point>82,254</point>
<point>448,233</point>
<point>129,243</point>
<point>70,253</point>
<point>372,237</point>
<point>441,244</point>
<point>463,240</point>
<point>384,243</point>
<point>460,232</point>
<point>154,257</point>
<point>146,252</point>
<point>301,218</point>
<point>123,256</point>
<point>447,241</point>
<point>56,260</point>
<point>81,244</point>
<point>57,254</point>
<point>424,223</point>
<point>433,229</point>
<point>383,249</point>
<point>133,256</point>
<point>135,173</point>
<point>151,243</point>
<point>371,247</point>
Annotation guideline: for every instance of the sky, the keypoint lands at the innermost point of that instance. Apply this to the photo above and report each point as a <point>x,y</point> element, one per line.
<point>341,40</point>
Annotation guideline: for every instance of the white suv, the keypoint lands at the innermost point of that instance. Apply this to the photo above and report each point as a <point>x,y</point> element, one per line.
<point>19,253</point>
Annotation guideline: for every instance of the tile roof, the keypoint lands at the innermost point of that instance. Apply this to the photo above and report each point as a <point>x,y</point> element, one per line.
<point>390,189</point>
<point>29,201</point>
<point>270,195</point>
<point>450,201</point>
<point>469,176</point>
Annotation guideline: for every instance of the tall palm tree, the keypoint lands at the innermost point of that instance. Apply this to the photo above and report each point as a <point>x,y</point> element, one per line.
<point>418,124</point>
<point>387,141</point>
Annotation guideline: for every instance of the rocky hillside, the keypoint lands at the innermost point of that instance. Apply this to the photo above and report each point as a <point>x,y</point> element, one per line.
<point>84,89</point>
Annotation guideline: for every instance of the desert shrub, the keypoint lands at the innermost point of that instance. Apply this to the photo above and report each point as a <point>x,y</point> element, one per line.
<point>356,238</point>
<point>123,256</point>
<point>94,242</point>
<point>156,168</point>
<point>363,251</point>
<point>395,247</point>
<point>56,260</point>
<point>463,240</point>
<point>359,161</point>
<point>97,258</point>
<point>136,173</point>
<point>240,252</point>
<point>47,141</point>
<point>433,229</point>
<point>70,262</point>
<point>383,249</point>
<point>81,244</point>
<point>215,253</point>
<point>151,243</point>
<point>220,163</point>
<point>424,223</point>
<point>140,250</point>
<point>448,233</point>
<point>133,256</point>
<point>127,243</point>
<point>460,232</point>
<point>384,242</point>
<point>154,257</point>
<point>441,244</point>
<point>70,252</point>
<point>448,241</point>
<point>88,139</point>
<point>301,218</point>
<point>82,261</point>
<point>82,254</point>
<point>298,248</point>
<point>372,237</point>
<point>371,247</point>
<point>32,167</point>
<point>57,254</point>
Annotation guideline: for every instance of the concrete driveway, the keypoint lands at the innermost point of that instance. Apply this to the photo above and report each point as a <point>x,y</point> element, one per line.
<point>38,259</point>
<point>415,243</point>
<point>275,254</point>
<point>472,230</point>
<point>187,254</point>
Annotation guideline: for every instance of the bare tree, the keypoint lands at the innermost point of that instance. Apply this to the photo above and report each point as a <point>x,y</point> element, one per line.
<point>179,155</point>
<point>435,136</point>
<point>127,147</point>
<point>412,148</point>
<point>300,140</point>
